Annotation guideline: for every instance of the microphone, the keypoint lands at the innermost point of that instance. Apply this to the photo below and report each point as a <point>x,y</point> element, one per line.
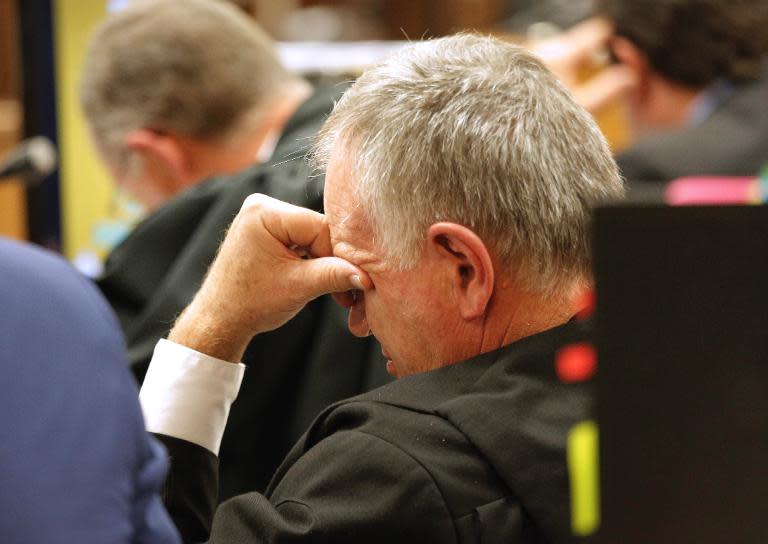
<point>32,159</point>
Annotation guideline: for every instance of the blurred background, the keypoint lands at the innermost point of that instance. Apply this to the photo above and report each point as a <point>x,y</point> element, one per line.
<point>77,211</point>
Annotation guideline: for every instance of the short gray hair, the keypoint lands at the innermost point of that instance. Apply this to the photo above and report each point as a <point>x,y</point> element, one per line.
<point>198,68</point>
<point>476,131</point>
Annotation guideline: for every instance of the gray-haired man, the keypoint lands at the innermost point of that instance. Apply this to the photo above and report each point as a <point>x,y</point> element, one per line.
<point>460,178</point>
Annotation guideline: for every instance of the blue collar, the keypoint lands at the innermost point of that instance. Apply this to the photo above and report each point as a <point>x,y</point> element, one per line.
<point>709,100</point>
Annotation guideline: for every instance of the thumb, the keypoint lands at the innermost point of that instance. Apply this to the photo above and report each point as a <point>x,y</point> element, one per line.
<point>331,275</point>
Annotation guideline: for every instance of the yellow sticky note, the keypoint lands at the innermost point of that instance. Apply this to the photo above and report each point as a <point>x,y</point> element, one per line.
<point>583,468</point>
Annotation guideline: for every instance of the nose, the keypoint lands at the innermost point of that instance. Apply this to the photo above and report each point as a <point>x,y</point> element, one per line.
<point>358,324</point>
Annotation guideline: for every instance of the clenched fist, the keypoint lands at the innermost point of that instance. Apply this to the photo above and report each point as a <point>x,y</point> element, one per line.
<point>275,258</point>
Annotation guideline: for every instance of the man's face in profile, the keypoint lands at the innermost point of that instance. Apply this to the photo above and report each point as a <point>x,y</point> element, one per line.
<point>405,310</point>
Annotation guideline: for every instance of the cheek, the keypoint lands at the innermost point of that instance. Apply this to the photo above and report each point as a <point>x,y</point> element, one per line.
<point>400,315</point>
<point>401,308</point>
<point>383,314</point>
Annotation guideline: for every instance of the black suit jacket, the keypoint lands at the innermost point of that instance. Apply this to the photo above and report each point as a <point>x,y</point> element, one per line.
<point>473,452</point>
<point>314,360</point>
<point>733,140</point>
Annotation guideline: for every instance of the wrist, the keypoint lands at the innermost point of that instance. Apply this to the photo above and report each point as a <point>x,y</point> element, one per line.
<point>206,333</point>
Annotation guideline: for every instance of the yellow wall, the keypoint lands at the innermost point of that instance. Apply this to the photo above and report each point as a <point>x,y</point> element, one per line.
<point>86,190</point>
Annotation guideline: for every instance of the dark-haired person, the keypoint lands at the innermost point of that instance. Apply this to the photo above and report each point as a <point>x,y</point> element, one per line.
<point>694,73</point>
<point>700,99</point>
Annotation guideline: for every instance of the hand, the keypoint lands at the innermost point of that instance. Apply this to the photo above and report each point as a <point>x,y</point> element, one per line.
<point>275,258</point>
<point>577,51</point>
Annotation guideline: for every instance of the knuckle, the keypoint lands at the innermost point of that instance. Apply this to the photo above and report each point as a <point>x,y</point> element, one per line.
<point>255,202</point>
<point>335,280</point>
<point>325,280</point>
<point>254,209</point>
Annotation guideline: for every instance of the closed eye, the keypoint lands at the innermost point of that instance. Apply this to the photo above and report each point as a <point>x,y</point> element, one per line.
<point>347,299</point>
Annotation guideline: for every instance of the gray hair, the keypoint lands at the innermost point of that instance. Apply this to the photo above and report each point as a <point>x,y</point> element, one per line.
<point>475,131</point>
<point>197,68</point>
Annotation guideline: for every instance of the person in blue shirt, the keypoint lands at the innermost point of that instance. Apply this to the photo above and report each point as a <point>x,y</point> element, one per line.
<point>76,464</point>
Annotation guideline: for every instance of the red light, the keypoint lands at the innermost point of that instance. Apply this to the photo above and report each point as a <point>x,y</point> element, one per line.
<point>576,362</point>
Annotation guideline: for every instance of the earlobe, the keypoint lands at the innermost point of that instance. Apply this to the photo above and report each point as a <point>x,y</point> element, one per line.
<point>161,148</point>
<point>469,266</point>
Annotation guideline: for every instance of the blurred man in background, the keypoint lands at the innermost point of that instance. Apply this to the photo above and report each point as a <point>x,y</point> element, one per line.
<point>175,91</point>
<point>695,76</point>
<point>701,85</point>
<point>174,94</point>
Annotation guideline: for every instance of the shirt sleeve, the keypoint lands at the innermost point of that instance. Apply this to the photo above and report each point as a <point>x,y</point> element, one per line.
<point>187,394</point>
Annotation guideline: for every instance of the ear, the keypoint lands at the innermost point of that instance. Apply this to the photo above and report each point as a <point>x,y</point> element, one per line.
<point>628,54</point>
<point>469,266</point>
<point>163,148</point>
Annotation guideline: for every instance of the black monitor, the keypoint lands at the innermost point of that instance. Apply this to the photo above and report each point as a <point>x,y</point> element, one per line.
<point>682,385</point>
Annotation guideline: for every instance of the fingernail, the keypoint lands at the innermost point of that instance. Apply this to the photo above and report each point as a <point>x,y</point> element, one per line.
<point>356,281</point>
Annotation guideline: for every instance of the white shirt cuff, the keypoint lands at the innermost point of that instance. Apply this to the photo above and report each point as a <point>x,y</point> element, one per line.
<point>187,394</point>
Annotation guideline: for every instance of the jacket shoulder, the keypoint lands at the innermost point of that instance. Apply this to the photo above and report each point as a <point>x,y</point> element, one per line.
<point>426,442</point>
<point>732,141</point>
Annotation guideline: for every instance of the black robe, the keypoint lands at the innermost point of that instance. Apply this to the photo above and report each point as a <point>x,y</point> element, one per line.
<point>472,452</point>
